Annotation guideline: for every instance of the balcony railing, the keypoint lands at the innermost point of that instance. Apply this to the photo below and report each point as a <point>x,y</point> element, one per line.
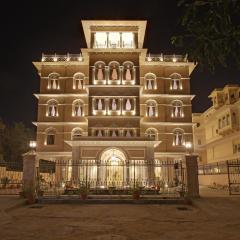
<point>166,58</point>
<point>62,58</point>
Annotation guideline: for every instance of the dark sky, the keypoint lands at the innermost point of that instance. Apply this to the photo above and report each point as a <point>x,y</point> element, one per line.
<point>30,28</point>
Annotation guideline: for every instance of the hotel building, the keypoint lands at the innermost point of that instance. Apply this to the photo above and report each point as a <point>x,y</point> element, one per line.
<point>114,104</point>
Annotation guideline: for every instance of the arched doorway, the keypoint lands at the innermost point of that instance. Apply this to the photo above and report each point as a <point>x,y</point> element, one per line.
<point>113,168</point>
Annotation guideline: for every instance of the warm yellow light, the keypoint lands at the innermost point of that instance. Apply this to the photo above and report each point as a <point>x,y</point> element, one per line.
<point>174,59</point>
<point>32,144</point>
<point>188,145</point>
<point>55,59</point>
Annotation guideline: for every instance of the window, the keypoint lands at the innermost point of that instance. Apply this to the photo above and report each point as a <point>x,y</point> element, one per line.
<point>219,123</point>
<point>100,40</point>
<point>150,81</point>
<point>152,133</point>
<point>176,82</point>
<point>236,148</point>
<point>99,71</point>
<point>128,71</point>
<point>114,72</point>
<point>77,109</point>
<point>228,119</point>
<point>114,40</point>
<point>52,108</point>
<point>127,40</point>
<point>128,104</point>
<point>224,121</point>
<point>53,81</point>
<point>78,81</point>
<point>151,110</point>
<point>178,137</point>
<point>77,133</point>
<point>50,136</point>
<point>234,119</point>
<point>177,109</point>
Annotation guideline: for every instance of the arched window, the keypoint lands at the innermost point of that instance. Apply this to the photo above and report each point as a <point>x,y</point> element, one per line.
<point>52,108</point>
<point>128,71</point>
<point>151,109</point>
<point>78,81</point>
<point>176,82</point>
<point>77,108</point>
<point>178,137</point>
<point>177,109</point>
<point>150,81</point>
<point>50,136</point>
<point>53,81</point>
<point>152,133</point>
<point>77,133</point>
<point>114,72</point>
<point>99,72</point>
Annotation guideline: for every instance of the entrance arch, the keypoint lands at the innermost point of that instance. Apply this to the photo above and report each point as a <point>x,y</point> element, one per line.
<point>113,169</point>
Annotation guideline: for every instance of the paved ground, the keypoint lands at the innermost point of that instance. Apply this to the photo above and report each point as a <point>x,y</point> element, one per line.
<point>210,218</point>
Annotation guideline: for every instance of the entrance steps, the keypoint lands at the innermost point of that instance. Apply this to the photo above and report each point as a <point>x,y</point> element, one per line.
<point>110,199</point>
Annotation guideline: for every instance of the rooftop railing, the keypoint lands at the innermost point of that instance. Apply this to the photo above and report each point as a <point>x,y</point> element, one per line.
<point>62,58</point>
<point>166,58</point>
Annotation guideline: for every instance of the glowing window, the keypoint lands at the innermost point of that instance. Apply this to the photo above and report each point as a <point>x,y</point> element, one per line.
<point>127,40</point>
<point>101,40</point>
<point>114,39</point>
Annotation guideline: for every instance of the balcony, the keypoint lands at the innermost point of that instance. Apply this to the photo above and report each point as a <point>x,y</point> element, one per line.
<point>62,58</point>
<point>117,75</point>
<point>114,40</point>
<point>113,132</point>
<point>114,106</point>
<point>166,58</point>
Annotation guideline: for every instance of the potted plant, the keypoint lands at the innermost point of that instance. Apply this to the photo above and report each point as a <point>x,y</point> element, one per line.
<point>136,193</point>
<point>5,181</point>
<point>83,192</point>
<point>29,194</point>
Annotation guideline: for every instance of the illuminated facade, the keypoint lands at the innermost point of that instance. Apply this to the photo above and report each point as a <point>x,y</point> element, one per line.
<point>113,103</point>
<point>216,131</point>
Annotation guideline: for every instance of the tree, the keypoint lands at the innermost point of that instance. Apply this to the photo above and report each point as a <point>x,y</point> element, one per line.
<point>2,127</point>
<point>210,32</point>
<point>16,141</point>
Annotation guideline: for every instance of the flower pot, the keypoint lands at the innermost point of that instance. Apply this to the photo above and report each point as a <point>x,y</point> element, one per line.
<point>31,199</point>
<point>136,196</point>
<point>84,196</point>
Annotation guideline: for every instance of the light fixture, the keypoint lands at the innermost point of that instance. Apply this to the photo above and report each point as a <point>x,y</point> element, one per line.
<point>32,144</point>
<point>174,59</point>
<point>188,145</point>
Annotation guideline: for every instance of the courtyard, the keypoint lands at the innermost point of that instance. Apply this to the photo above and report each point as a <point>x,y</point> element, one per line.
<point>214,216</point>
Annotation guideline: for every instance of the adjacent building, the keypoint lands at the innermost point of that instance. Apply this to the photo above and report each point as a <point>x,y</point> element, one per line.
<point>113,104</point>
<point>216,131</point>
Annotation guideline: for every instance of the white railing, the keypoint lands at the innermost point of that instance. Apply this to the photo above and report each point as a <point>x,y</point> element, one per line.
<point>62,58</point>
<point>166,58</point>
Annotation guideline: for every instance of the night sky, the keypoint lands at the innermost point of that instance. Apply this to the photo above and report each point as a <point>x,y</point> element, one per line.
<point>29,29</point>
